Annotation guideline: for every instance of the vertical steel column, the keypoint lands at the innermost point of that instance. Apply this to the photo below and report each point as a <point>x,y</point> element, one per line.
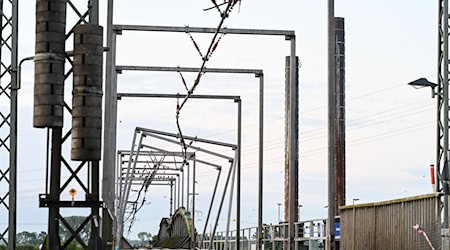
<point>179,191</point>
<point>95,241</point>
<point>340,113</point>
<point>174,194</point>
<point>238,185</point>
<point>12,221</point>
<point>442,103</point>
<point>293,143</point>
<point>182,187</point>
<point>260,161</point>
<point>330,240</point>
<point>171,198</point>
<point>446,173</point>
<point>230,207</point>
<point>110,128</point>
<point>216,223</point>
<point>127,187</point>
<point>193,203</point>
<point>211,205</point>
<point>55,182</point>
<point>187,187</point>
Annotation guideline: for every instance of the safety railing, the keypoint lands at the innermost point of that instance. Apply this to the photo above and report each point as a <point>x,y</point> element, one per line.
<point>309,234</point>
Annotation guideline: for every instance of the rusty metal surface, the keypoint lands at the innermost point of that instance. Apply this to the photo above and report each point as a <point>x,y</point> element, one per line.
<point>288,150</point>
<point>340,113</point>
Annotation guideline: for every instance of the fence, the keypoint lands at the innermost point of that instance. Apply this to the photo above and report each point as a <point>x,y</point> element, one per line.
<point>395,224</point>
<point>309,235</point>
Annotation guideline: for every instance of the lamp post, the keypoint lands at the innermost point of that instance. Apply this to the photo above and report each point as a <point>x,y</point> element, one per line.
<point>279,205</point>
<point>355,199</point>
<point>441,137</point>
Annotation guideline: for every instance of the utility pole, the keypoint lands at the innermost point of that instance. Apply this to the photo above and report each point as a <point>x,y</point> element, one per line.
<point>442,150</point>
<point>339,133</point>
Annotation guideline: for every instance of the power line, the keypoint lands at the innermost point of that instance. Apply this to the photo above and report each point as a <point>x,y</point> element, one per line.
<point>352,143</point>
<point>319,108</point>
<point>315,137</point>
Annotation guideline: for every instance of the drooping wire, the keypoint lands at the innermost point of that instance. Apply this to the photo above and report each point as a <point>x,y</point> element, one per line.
<point>212,47</point>
<point>144,188</point>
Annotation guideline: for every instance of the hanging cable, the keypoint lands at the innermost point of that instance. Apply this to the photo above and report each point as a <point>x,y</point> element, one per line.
<point>212,46</point>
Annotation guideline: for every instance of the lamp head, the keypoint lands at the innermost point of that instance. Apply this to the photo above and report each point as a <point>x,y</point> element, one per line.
<point>421,83</point>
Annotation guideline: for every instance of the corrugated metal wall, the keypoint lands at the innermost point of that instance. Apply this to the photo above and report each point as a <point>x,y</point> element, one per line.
<point>389,225</point>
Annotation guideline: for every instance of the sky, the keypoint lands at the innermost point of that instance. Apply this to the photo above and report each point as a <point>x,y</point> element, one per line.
<point>390,126</point>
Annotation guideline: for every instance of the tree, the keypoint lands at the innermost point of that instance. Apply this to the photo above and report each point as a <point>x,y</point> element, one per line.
<point>30,238</point>
<point>144,237</point>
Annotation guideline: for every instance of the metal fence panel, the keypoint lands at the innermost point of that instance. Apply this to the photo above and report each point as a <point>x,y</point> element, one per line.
<point>395,224</point>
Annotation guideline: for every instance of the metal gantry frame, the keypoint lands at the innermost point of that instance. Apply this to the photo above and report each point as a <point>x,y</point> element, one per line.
<point>8,120</point>
<point>258,74</point>
<point>236,99</point>
<point>160,135</point>
<point>112,88</point>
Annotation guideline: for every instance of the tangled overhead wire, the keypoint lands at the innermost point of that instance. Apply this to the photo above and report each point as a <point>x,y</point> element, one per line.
<point>148,174</point>
<point>217,37</point>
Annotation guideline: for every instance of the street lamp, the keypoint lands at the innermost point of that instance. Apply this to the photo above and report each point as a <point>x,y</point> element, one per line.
<point>279,205</point>
<point>422,83</point>
<point>442,135</point>
<point>355,199</point>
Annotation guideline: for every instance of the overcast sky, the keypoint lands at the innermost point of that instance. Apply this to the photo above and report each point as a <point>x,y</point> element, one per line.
<point>390,126</point>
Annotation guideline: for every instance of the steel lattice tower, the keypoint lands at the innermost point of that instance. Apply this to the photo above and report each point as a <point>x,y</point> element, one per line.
<point>8,120</point>
<point>442,150</point>
<point>59,183</point>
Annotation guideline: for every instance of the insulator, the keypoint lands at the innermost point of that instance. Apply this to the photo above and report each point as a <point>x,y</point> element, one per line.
<point>49,63</point>
<point>87,93</point>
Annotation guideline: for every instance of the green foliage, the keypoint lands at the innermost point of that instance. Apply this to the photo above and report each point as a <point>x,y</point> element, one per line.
<point>26,238</point>
<point>74,246</point>
<point>27,247</point>
<point>144,239</point>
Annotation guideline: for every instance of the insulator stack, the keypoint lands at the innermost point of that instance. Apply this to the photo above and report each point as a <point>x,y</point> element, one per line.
<point>49,63</point>
<point>87,93</point>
